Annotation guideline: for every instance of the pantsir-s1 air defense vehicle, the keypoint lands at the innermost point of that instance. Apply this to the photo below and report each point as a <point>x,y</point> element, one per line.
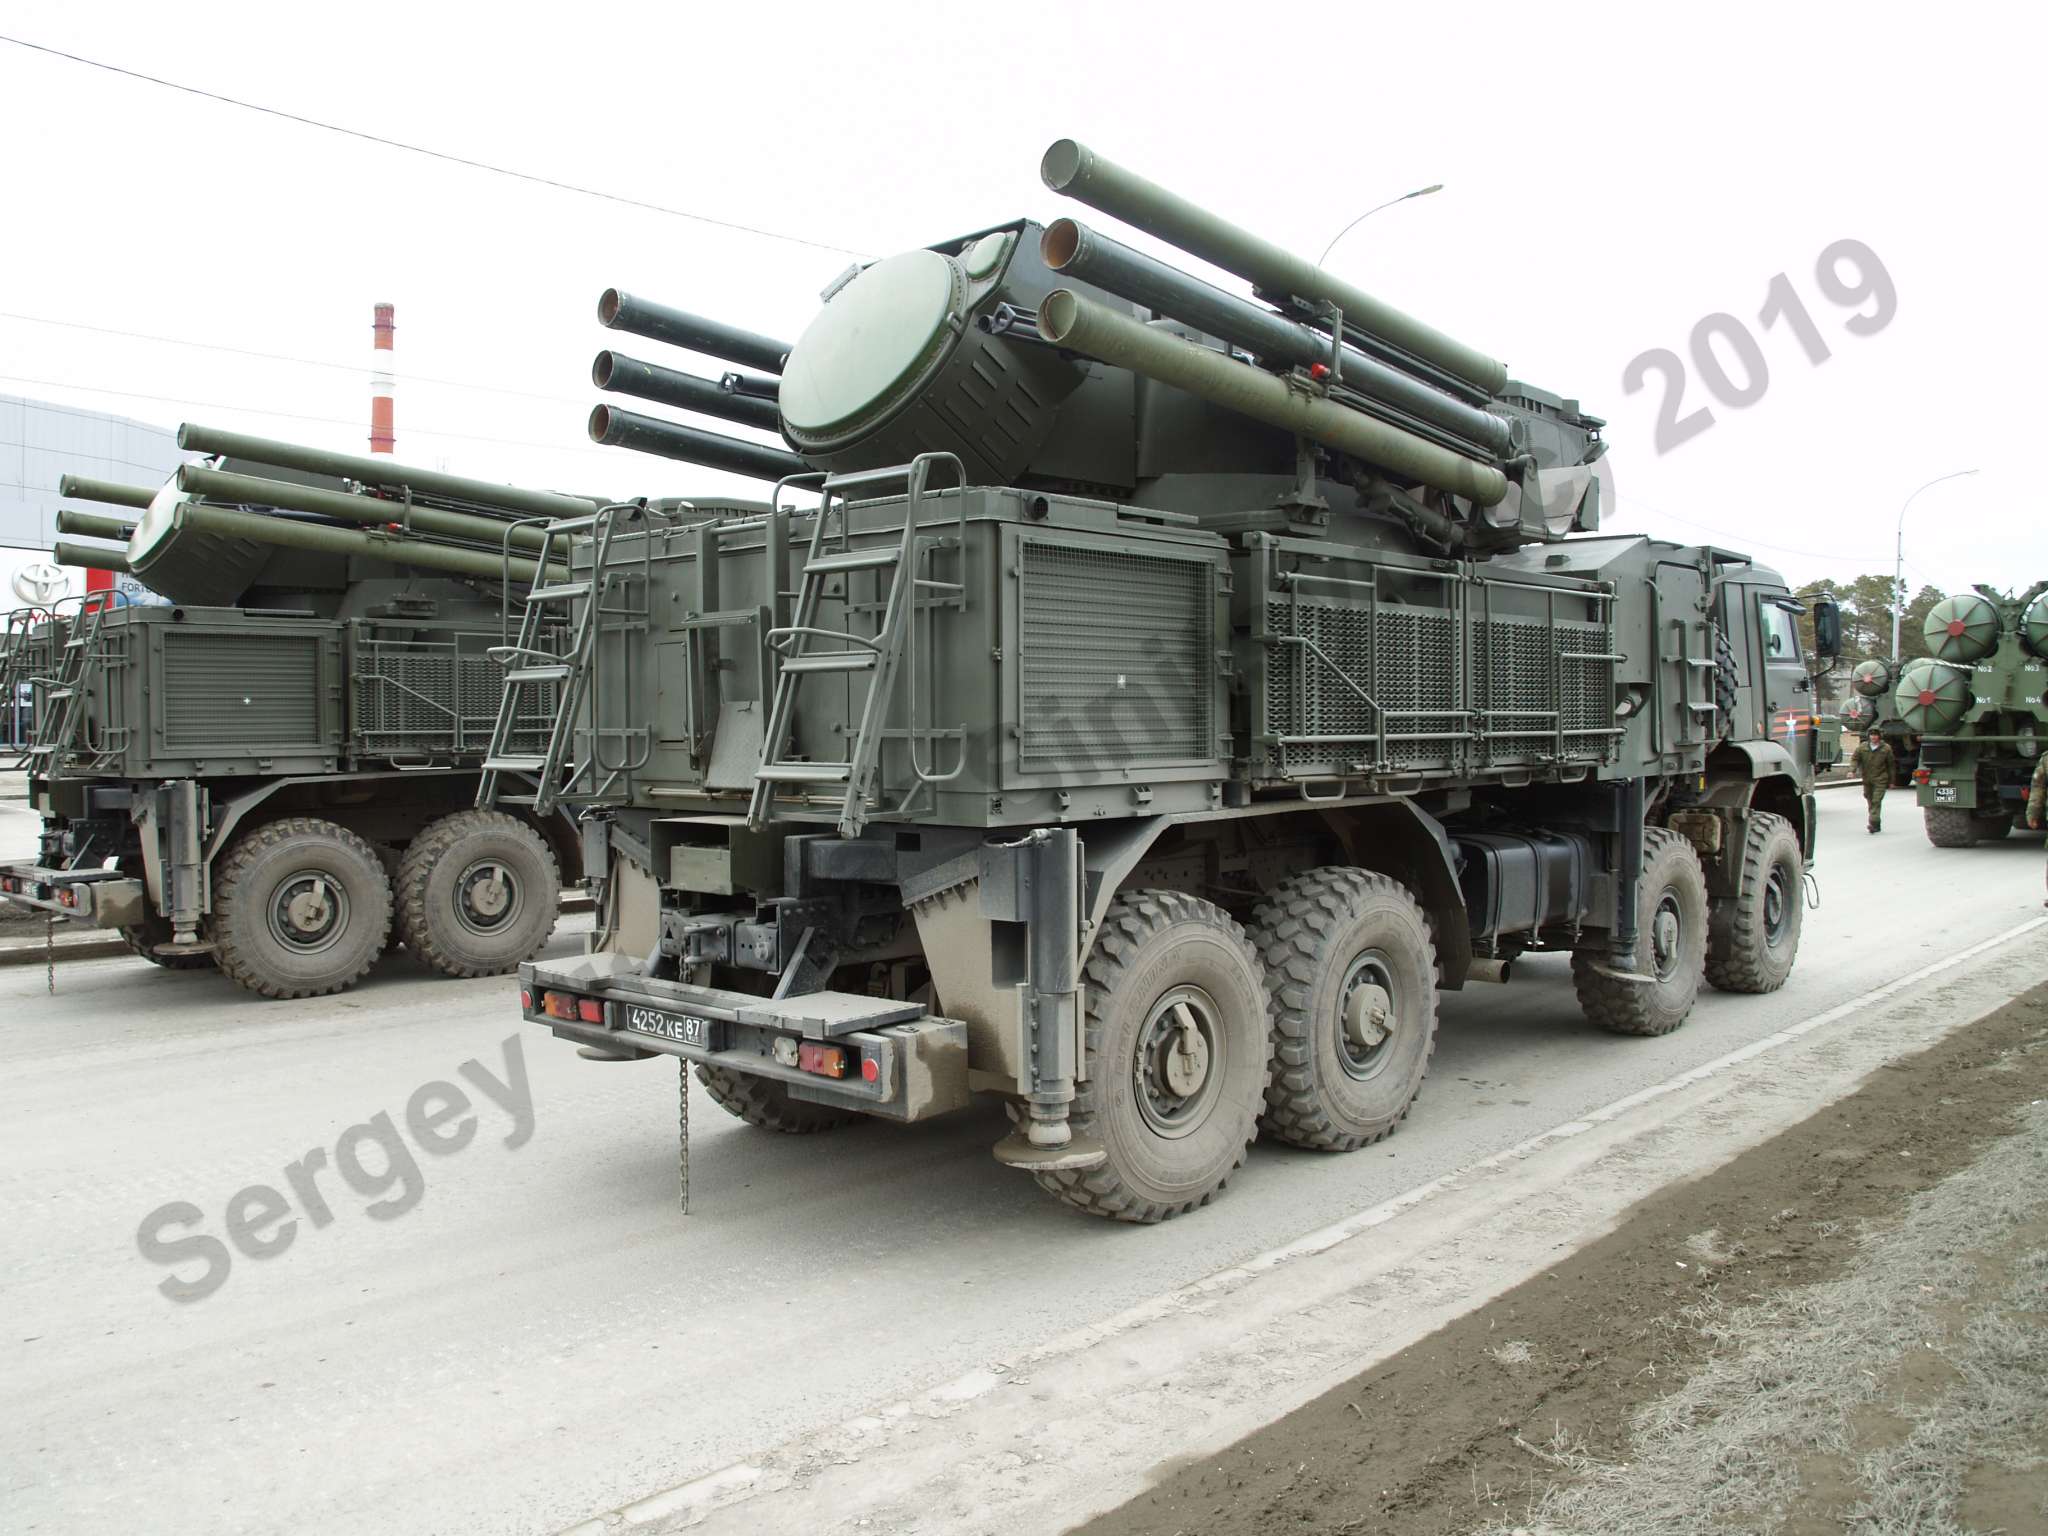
<point>276,772</point>
<point>1171,694</point>
<point>1980,704</point>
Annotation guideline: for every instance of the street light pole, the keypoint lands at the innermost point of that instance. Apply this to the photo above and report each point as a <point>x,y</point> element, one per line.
<point>1899,566</point>
<point>1404,197</point>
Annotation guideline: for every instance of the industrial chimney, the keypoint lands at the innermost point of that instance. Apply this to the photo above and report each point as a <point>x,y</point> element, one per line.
<point>383,433</point>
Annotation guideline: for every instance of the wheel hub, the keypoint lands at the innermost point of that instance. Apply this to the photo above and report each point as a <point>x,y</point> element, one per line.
<point>1178,1062</point>
<point>1777,908</point>
<point>1667,936</point>
<point>309,910</point>
<point>486,895</point>
<point>1367,1015</point>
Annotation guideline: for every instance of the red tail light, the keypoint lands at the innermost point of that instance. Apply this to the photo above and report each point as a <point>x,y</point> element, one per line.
<point>871,1069</point>
<point>590,1010</point>
<point>526,1000</point>
<point>824,1060</point>
<point>1922,775</point>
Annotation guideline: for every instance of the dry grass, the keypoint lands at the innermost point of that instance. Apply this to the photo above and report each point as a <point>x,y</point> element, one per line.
<point>1789,1375</point>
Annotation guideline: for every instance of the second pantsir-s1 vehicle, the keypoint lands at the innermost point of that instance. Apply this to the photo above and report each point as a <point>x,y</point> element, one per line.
<point>276,772</point>
<point>1172,693</point>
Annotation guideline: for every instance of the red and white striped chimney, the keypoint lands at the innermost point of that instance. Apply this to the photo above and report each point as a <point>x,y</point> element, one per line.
<point>383,432</point>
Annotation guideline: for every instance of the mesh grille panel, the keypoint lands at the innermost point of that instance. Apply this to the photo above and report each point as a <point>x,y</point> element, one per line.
<point>1522,691</point>
<point>1118,658</point>
<point>244,690</point>
<point>420,698</point>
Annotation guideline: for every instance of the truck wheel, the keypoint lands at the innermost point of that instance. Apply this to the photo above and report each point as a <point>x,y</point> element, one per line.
<point>478,892</point>
<point>764,1102</point>
<point>1178,1041</point>
<point>1671,946</point>
<point>143,938</point>
<point>1351,973</point>
<point>301,908</point>
<point>1753,936</point>
<point>1991,828</point>
<point>1951,827</point>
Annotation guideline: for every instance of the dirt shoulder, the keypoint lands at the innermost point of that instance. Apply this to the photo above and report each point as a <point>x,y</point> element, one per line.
<point>1550,1407</point>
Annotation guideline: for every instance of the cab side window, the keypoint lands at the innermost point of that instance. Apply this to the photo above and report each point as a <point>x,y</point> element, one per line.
<point>1781,634</point>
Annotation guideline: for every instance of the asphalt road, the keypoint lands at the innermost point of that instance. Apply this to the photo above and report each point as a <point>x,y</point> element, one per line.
<point>539,1335</point>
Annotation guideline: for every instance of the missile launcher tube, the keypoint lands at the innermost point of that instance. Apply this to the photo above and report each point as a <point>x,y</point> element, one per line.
<point>1068,319</point>
<point>222,485</point>
<point>1073,250</point>
<point>399,549</point>
<point>89,556</point>
<point>618,310</point>
<point>90,525</point>
<point>514,501</point>
<point>649,381</point>
<point>1073,170</point>
<point>648,434</point>
<point>111,491</point>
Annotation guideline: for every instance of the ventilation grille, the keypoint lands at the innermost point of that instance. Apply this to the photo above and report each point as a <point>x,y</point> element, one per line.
<point>1118,659</point>
<point>241,692</point>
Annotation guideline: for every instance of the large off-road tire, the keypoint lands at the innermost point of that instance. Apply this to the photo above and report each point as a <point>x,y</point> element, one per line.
<point>1671,946</point>
<point>478,892</point>
<point>1991,828</point>
<point>301,907</point>
<point>764,1102</point>
<point>1350,968</point>
<point>1178,1038</point>
<point>1949,826</point>
<point>143,937</point>
<point>1753,936</point>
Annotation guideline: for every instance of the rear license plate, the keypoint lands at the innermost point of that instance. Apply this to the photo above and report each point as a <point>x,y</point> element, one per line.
<point>683,1028</point>
<point>1944,792</point>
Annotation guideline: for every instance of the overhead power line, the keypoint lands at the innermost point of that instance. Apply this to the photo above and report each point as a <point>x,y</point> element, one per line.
<point>264,410</point>
<point>433,154</point>
<point>284,357</point>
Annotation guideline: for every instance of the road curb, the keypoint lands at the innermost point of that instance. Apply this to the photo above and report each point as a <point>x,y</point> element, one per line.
<point>95,946</point>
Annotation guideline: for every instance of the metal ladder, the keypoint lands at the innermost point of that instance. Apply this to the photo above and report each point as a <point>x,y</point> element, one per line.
<point>605,594</point>
<point>62,704</point>
<point>805,649</point>
<point>15,640</point>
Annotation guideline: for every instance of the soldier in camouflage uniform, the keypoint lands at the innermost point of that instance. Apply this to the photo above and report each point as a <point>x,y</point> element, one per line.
<point>2037,794</point>
<point>1874,764</point>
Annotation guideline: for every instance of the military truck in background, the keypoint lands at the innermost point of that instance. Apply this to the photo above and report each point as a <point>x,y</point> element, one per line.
<point>275,773</point>
<point>1979,702</point>
<point>1870,707</point>
<point>1169,696</point>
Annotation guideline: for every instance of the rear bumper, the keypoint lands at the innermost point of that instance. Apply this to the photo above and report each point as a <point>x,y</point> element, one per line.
<point>96,896</point>
<point>919,1063</point>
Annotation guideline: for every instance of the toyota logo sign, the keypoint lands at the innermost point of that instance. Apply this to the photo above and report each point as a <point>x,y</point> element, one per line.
<point>40,584</point>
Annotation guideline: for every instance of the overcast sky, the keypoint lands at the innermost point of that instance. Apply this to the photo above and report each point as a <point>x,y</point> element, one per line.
<point>1610,178</point>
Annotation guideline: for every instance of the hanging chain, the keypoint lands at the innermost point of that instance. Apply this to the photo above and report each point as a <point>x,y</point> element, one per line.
<point>683,1133</point>
<point>50,953</point>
